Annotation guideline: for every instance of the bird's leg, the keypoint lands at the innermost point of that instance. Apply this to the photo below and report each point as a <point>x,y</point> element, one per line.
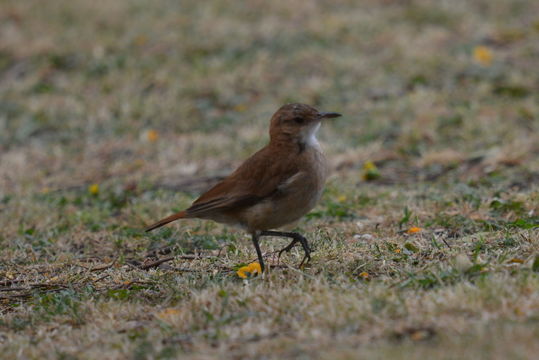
<point>255,237</point>
<point>295,239</point>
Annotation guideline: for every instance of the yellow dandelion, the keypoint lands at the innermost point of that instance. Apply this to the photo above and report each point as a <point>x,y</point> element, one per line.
<point>93,189</point>
<point>414,229</point>
<point>341,198</point>
<point>152,135</point>
<point>252,268</point>
<point>482,55</point>
<point>364,275</point>
<point>398,251</point>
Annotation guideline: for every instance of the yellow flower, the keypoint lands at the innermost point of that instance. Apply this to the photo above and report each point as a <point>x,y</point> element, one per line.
<point>141,40</point>
<point>138,163</point>
<point>341,198</point>
<point>152,135</point>
<point>252,268</point>
<point>414,230</point>
<point>93,189</point>
<point>255,268</point>
<point>370,171</point>
<point>168,313</point>
<point>240,108</point>
<point>482,55</point>
<point>364,275</point>
<point>397,251</point>
<point>242,272</point>
<point>369,165</point>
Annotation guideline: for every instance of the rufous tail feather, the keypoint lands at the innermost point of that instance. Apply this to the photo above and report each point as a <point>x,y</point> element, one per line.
<point>166,220</point>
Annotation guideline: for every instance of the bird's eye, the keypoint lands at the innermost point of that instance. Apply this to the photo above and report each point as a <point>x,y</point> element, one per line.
<point>298,120</point>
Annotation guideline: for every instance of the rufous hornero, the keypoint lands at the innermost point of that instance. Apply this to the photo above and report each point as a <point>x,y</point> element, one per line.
<point>273,188</point>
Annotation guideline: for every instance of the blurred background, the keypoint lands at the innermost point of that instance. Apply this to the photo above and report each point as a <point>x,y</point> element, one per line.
<point>166,90</point>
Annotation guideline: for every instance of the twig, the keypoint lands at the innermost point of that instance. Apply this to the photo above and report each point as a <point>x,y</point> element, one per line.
<point>101,278</point>
<point>156,263</point>
<point>222,248</point>
<point>100,267</point>
<point>104,266</point>
<point>28,293</point>
<point>10,282</point>
<point>12,288</point>
<point>193,257</point>
<point>163,250</point>
<point>184,269</point>
<point>16,296</point>
<point>169,258</point>
<point>445,242</point>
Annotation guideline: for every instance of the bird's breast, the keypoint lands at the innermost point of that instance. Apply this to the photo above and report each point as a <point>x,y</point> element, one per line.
<point>317,166</point>
<point>296,199</point>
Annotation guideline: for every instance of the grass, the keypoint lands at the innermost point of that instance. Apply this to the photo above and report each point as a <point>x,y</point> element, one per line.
<point>113,114</point>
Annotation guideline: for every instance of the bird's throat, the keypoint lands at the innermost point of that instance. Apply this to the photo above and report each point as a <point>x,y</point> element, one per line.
<point>309,137</point>
<point>303,140</point>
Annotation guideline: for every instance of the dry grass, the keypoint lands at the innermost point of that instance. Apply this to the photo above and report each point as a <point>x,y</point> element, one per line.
<point>143,100</point>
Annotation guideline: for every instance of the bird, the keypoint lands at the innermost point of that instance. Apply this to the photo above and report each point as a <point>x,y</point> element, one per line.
<point>275,187</point>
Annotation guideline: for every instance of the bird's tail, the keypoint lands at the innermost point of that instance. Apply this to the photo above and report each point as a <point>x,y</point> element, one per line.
<point>166,220</point>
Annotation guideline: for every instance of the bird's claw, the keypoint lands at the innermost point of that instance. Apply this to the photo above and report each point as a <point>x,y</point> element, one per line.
<point>306,259</point>
<point>287,248</point>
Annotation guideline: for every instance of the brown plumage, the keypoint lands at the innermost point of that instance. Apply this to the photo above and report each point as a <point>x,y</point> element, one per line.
<point>274,187</point>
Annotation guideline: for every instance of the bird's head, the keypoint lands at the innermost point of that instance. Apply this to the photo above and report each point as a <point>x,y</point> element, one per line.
<point>298,122</point>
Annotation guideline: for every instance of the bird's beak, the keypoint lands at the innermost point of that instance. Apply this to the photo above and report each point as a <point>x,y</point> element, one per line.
<point>328,115</point>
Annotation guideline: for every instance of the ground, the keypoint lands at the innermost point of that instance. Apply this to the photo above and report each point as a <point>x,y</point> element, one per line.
<point>114,114</point>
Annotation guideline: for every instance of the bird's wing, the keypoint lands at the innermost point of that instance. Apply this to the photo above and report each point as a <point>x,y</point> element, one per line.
<point>256,179</point>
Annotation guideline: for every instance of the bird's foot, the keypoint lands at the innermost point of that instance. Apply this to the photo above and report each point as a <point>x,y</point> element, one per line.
<point>306,259</point>
<point>286,249</point>
<point>307,250</point>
